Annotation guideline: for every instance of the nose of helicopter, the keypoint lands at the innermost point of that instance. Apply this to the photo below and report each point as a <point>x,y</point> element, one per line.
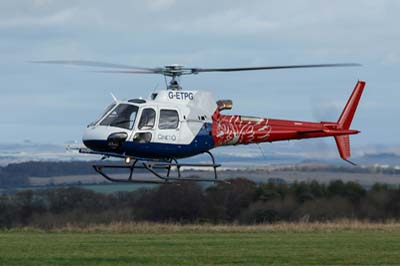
<point>95,139</point>
<point>103,138</point>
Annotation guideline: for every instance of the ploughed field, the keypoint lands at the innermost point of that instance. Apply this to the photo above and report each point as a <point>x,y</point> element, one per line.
<point>344,243</point>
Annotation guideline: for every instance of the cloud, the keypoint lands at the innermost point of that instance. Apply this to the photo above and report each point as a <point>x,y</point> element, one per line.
<point>202,33</point>
<point>160,5</point>
<point>231,21</point>
<point>58,18</point>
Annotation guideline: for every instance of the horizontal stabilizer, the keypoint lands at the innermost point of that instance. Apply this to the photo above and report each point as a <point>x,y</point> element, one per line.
<point>310,131</point>
<point>331,132</point>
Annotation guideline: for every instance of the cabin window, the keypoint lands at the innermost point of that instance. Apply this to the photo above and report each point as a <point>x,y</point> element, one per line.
<point>169,119</point>
<point>142,137</point>
<point>122,116</point>
<point>147,119</point>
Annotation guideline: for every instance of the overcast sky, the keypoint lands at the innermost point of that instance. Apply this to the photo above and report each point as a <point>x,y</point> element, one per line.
<point>52,104</point>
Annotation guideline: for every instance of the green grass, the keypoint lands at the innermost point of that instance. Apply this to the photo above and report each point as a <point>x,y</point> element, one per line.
<point>250,246</point>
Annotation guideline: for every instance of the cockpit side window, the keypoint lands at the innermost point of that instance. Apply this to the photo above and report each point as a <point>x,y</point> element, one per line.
<point>122,116</point>
<point>169,119</point>
<point>148,119</point>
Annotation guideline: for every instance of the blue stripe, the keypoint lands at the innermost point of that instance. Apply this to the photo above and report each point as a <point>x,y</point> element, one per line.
<point>201,143</point>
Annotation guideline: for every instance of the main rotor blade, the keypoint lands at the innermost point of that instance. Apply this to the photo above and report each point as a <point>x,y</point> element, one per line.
<point>93,64</point>
<point>127,71</point>
<point>198,70</point>
<point>176,71</point>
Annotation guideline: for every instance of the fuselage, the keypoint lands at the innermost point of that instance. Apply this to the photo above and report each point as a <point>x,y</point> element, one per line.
<point>169,124</point>
<point>179,124</point>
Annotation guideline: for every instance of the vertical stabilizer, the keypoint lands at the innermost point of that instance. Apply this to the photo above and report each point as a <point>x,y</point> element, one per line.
<point>349,110</point>
<point>345,119</point>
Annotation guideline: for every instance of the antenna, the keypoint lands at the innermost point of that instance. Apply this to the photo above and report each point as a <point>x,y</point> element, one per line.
<point>166,83</point>
<point>262,151</point>
<point>114,98</point>
<point>155,87</point>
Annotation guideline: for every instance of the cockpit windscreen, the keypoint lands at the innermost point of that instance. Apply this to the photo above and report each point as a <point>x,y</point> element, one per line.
<point>111,106</point>
<point>122,116</point>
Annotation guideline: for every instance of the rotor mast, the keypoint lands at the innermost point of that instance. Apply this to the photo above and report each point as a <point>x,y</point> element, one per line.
<point>174,72</point>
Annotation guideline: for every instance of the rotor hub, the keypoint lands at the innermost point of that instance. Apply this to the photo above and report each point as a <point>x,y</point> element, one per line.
<point>174,71</point>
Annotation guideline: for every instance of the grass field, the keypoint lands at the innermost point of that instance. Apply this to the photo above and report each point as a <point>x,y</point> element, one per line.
<point>153,244</point>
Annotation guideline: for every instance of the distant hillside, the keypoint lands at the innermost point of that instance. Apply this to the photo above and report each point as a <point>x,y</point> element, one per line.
<point>390,159</point>
<point>17,174</point>
<point>47,169</point>
<point>47,172</point>
<point>296,152</point>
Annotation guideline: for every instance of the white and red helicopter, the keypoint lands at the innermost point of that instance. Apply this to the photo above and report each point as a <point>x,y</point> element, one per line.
<point>154,133</point>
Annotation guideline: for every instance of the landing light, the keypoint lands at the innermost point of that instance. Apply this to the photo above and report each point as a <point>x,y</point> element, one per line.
<point>128,160</point>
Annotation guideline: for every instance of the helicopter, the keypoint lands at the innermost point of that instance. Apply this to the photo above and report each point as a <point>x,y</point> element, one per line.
<point>153,134</point>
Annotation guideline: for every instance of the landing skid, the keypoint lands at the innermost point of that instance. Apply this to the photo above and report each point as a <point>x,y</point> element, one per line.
<point>156,168</point>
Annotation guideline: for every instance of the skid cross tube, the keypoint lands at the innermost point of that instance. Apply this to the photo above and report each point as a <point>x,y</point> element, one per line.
<point>153,166</point>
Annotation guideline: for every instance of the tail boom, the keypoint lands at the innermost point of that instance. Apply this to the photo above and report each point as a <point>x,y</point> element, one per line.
<point>235,129</point>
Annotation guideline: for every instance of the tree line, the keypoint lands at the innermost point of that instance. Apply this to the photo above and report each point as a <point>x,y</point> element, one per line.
<point>239,201</point>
